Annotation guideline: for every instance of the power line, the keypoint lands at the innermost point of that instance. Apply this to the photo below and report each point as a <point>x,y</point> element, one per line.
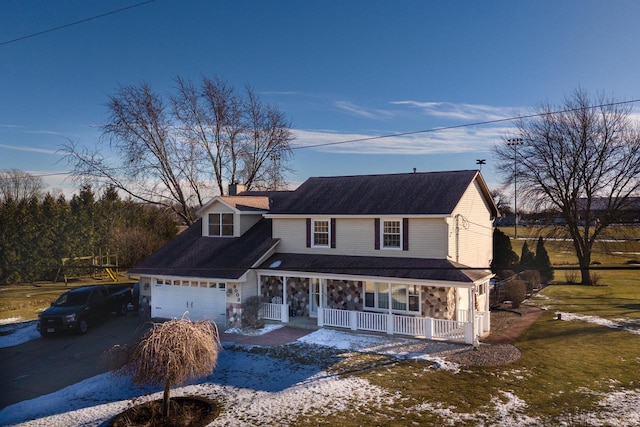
<point>75,23</point>
<point>464,125</point>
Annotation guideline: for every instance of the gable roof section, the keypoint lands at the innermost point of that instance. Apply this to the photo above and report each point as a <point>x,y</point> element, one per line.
<point>240,203</point>
<point>429,193</point>
<point>192,255</point>
<point>388,267</point>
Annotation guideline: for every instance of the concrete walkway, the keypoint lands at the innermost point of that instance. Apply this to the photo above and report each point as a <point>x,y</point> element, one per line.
<point>279,336</point>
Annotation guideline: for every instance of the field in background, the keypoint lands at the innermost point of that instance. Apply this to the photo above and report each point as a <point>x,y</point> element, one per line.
<point>23,302</point>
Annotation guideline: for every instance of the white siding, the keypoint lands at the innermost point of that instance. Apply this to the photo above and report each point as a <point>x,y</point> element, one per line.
<point>355,236</point>
<point>471,230</point>
<point>250,287</point>
<point>246,222</point>
<point>218,207</point>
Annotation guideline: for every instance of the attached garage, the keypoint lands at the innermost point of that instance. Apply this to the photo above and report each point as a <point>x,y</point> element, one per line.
<point>200,300</point>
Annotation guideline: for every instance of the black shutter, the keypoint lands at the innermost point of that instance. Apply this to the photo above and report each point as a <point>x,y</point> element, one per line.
<point>308,232</point>
<point>333,233</point>
<point>405,234</point>
<point>376,230</point>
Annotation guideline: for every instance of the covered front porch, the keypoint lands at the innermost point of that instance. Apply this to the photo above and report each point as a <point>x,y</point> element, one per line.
<point>428,310</point>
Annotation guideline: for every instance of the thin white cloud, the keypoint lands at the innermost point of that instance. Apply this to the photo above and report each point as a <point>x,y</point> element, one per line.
<point>374,114</point>
<point>30,149</point>
<point>451,141</point>
<point>453,111</point>
<point>42,132</point>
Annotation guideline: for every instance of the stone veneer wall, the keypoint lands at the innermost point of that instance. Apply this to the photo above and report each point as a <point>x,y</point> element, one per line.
<point>234,305</point>
<point>344,295</point>
<point>271,287</point>
<point>298,295</point>
<point>234,314</point>
<point>439,303</point>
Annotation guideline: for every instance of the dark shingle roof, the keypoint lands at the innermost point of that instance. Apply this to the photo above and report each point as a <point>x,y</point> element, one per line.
<point>192,255</point>
<point>397,194</point>
<point>389,267</point>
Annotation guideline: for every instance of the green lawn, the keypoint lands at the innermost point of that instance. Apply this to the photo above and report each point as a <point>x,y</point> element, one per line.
<point>566,369</point>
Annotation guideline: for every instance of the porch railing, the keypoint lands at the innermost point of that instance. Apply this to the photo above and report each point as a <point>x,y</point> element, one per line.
<point>269,311</point>
<point>452,330</point>
<point>427,327</point>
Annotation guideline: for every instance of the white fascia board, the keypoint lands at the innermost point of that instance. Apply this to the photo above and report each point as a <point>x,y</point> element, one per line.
<point>207,205</point>
<point>422,282</point>
<point>302,216</point>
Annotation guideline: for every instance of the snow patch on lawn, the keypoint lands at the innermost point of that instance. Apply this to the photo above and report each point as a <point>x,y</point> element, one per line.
<point>255,332</point>
<point>401,348</point>
<point>12,334</point>
<point>613,324</point>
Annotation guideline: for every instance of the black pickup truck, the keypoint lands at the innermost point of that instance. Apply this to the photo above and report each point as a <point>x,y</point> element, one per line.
<point>78,308</point>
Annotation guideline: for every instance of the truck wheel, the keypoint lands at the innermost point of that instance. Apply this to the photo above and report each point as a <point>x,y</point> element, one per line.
<point>83,326</point>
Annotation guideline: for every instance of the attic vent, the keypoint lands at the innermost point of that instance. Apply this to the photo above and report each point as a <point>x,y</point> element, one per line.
<point>275,264</point>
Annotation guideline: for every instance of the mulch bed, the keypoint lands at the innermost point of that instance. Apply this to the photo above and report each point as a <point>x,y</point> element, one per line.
<point>189,411</point>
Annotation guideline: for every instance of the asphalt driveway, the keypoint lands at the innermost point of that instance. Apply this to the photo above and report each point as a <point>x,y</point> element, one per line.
<point>45,365</point>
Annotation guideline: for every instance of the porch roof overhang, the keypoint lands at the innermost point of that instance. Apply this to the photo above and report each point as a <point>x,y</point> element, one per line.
<point>422,269</point>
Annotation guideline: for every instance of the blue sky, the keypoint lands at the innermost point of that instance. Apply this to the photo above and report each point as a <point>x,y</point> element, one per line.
<point>340,70</point>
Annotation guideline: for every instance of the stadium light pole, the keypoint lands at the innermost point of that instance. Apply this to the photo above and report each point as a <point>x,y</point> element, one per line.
<point>515,143</point>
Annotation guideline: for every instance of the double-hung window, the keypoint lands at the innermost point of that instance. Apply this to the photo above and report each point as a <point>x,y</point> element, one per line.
<point>321,233</point>
<point>392,234</point>
<point>220,224</point>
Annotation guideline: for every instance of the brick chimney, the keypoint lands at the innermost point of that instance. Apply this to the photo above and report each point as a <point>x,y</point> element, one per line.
<point>235,188</point>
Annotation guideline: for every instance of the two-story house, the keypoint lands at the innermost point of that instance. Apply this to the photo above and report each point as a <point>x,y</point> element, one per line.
<point>401,253</point>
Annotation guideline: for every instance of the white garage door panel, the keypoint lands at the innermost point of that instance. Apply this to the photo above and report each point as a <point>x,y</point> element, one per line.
<point>170,301</point>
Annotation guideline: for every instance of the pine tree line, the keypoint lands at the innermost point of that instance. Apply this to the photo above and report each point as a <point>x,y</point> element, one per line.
<point>504,258</point>
<point>39,235</point>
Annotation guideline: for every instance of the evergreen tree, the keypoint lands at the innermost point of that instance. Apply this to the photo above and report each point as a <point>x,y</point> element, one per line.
<point>542,262</point>
<point>503,255</point>
<point>527,258</point>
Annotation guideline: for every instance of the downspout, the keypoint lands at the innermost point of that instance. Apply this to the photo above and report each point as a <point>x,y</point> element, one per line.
<point>458,238</point>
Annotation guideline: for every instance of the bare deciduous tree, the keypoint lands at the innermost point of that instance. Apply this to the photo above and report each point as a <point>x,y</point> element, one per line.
<point>169,354</point>
<point>181,154</point>
<point>18,185</point>
<point>574,157</point>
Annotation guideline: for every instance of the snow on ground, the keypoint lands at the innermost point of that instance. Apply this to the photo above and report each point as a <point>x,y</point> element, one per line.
<point>257,389</point>
<point>622,324</point>
<point>14,333</point>
<point>255,332</point>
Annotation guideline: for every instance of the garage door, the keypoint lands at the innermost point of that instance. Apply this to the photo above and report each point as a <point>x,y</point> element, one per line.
<point>200,300</point>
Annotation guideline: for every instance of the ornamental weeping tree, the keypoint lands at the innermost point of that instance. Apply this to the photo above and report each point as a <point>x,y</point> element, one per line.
<point>581,159</point>
<point>173,353</point>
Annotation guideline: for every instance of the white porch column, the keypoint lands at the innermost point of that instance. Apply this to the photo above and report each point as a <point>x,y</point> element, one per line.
<point>285,305</point>
<point>472,319</point>
<point>428,328</point>
<point>353,320</point>
<point>390,330</point>
<point>320,318</point>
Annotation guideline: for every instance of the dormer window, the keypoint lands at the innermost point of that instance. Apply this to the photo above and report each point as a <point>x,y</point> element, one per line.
<point>220,224</point>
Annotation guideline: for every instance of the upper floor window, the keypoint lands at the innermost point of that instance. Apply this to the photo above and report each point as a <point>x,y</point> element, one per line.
<point>321,233</point>
<point>220,224</point>
<point>391,234</point>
